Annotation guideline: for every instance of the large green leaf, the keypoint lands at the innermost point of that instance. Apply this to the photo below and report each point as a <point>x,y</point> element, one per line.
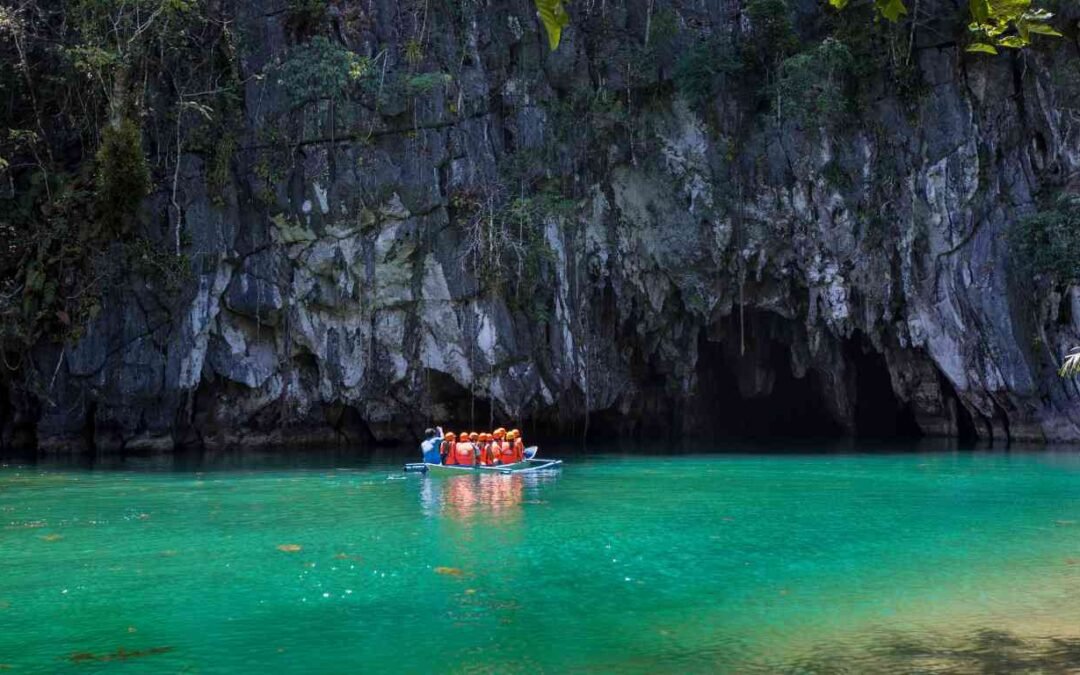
<point>1007,23</point>
<point>891,9</point>
<point>838,4</point>
<point>554,16</point>
<point>1013,42</point>
<point>1008,10</point>
<point>1042,29</point>
<point>982,47</point>
<point>980,11</point>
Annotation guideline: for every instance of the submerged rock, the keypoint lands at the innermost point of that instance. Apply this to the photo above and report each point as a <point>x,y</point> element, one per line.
<point>121,654</point>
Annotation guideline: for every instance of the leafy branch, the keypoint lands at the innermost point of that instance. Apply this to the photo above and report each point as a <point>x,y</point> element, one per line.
<point>554,17</point>
<point>994,23</point>
<point>1006,23</point>
<point>1071,366</point>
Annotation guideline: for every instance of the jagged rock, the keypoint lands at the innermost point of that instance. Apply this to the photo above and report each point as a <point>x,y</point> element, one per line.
<point>715,270</point>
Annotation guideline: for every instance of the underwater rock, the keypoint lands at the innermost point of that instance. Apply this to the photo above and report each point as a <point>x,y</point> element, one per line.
<point>121,654</point>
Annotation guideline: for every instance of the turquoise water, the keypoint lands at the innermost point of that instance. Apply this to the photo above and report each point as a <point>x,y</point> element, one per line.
<point>931,562</point>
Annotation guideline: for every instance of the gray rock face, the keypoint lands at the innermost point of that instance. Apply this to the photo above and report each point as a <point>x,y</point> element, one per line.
<point>472,246</point>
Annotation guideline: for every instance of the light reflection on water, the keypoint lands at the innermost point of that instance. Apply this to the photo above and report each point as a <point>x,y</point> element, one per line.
<point>837,562</point>
<point>495,496</point>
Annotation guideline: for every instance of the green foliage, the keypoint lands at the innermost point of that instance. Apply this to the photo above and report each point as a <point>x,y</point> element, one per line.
<point>82,77</point>
<point>121,177</point>
<point>834,175</point>
<point>304,17</point>
<point>425,83</point>
<point>165,269</point>
<point>889,9</point>
<point>1048,242</point>
<point>113,36</point>
<point>994,23</point>
<point>1006,23</point>
<point>879,51</point>
<point>665,26</point>
<point>321,69</point>
<point>46,249</point>
<point>554,17</point>
<point>93,88</point>
<point>699,71</point>
<point>414,52</point>
<point>523,285</point>
<point>815,85</point>
<point>218,171</point>
<point>505,245</point>
<point>772,37</point>
<point>773,33</point>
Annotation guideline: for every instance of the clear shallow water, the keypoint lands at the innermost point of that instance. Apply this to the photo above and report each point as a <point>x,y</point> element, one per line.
<point>933,562</point>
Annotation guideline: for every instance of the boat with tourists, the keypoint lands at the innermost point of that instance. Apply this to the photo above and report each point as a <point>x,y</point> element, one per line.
<point>501,451</point>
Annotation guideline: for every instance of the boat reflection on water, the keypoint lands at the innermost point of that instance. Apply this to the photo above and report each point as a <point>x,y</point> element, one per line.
<point>468,497</point>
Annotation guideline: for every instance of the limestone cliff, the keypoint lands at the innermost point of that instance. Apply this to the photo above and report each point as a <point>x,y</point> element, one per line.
<point>612,236</point>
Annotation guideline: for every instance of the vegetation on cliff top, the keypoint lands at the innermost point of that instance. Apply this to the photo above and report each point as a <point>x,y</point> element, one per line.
<point>1048,242</point>
<point>1046,246</point>
<point>95,98</point>
<point>994,23</point>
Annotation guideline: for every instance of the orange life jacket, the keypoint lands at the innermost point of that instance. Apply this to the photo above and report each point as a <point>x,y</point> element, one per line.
<point>487,454</point>
<point>506,453</point>
<point>519,449</point>
<point>446,452</point>
<point>462,455</point>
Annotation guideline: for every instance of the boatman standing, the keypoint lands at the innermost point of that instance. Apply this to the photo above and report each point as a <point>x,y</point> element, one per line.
<point>429,447</point>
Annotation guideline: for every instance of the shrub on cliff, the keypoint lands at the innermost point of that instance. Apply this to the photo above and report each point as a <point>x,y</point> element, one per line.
<point>700,70</point>
<point>772,35</point>
<point>815,86</point>
<point>1048,242</point>
<point>122,177</point>
<point>321,69</point>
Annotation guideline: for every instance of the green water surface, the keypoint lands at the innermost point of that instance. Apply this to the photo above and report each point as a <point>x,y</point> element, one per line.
<point>897,562</point>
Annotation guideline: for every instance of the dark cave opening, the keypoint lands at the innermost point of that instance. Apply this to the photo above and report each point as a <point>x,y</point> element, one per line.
<point>747,385</point>
<point>966,431</point>
<point>878,412</point>
<point>454,407</point>
<point>786,406</point>
<point>89,430</point>
<point>6,415</point>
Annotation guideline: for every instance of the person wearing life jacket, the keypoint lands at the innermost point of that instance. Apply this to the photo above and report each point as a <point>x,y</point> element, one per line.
<point>474,439</point>
<point>462,439</point>
<point>514,437</point>
<point>446,448</point>
<point>464,452</point>
<point>503,449</point>
<point>486,456</point>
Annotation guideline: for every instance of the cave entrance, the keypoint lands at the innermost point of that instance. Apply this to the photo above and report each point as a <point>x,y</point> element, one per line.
<point>878,413</point>
<point>755,393</point>
<point>455,407</point>
<point>747,385</point>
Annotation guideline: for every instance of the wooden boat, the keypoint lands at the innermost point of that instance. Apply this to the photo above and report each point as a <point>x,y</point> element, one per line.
<point>528,465</point>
